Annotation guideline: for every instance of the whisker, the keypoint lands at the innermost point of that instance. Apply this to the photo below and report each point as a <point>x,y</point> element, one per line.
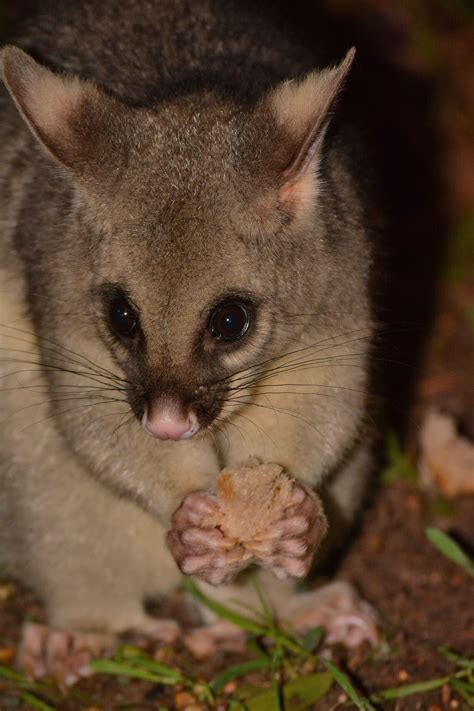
<point>92,364</point>
<point>65,412</point>
<point>260,429</point>
<point>284,411</point>
<point>290,353</point>
<point>51,367</point>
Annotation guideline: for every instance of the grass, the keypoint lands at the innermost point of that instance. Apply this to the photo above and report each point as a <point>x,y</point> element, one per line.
<point>400,466</point>
<point>294,675</point>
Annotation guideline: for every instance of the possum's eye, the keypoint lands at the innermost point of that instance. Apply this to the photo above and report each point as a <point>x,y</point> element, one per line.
<point>229,321</point>
<point>122,317</point>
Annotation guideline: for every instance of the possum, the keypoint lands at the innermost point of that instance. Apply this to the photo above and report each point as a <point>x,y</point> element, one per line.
<point>185,284</point>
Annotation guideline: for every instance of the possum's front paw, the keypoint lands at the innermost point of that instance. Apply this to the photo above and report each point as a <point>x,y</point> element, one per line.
<point>288,544</point>
<point>201,549</point>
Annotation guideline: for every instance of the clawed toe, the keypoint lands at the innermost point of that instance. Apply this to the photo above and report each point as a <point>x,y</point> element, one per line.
<point>204,642</point>
<point>346,618</point>
<point>45,651</point>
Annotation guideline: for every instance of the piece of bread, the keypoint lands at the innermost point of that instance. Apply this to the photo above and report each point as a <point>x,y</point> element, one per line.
<point>251,497</point>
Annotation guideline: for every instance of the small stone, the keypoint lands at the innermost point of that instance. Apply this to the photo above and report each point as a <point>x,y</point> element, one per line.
<point>403,675</point>
<point>454,704</point>
<point>435,578</point>
<point>230,687</point>
<point>7,654</point>
<point>342,698</point>
<point>376,543</point>
<point>160,654</point>
<point>6,590</point>
<point>183,699</point>
<point>413,503</point>
<point>307,667</point>
<point>446,694</point>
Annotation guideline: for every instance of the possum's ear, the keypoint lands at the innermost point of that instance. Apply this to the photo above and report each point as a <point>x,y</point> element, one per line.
<point>67,115</point>
<point>302,111</point>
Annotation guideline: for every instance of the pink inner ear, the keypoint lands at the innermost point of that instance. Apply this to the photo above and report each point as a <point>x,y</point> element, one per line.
<point>299,193</point>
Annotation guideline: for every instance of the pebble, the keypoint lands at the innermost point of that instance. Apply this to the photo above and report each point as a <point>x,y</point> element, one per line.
<point>6,590</point>
<point>403,675</point>
<point>230,687</point>
<point>7,654</point>
<point>183,700</point>
<point>446,694</point>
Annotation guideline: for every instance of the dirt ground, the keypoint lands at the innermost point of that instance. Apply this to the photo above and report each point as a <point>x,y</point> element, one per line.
<point>424,600</point>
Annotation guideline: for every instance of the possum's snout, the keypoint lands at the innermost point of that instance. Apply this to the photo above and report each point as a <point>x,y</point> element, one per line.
<point>169,420</point>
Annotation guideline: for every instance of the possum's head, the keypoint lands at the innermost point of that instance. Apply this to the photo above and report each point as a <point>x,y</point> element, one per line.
<point>202,229</point>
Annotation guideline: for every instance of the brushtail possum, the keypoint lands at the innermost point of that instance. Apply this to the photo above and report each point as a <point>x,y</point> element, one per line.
<point>185,270</point>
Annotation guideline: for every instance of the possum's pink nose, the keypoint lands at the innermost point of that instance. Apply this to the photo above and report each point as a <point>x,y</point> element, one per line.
<point>168,421</point>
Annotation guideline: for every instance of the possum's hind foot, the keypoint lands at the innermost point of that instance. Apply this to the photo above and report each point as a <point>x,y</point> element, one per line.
<point>64,655</point>
<point>337,607</point>
<point>345,617</point>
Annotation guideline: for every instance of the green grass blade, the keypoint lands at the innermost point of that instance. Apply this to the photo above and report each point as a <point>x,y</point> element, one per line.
<point>312,639</point>
<point>21,681</point>
<point>220,680</point>
<point>244,623</point>
<point>36,703</point>
<point>345,684</point>
<point>449,548</point>
<point>456,658</point>
<point>8,673</point>
<point>266,609</point>
<point>399,692</point>
<point>276,685</point>
<point>136,658</point>
<point>108,666</point>
<point>465,690</point>
<point>298,695</point>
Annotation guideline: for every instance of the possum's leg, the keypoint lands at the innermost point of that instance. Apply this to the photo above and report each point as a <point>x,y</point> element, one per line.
<point>92,557</point>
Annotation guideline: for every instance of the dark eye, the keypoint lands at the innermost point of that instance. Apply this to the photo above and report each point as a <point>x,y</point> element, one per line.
<point>122,317</point>
<point>229,322</point>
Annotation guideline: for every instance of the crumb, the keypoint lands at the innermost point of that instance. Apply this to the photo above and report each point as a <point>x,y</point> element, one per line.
<point>251,497</point>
